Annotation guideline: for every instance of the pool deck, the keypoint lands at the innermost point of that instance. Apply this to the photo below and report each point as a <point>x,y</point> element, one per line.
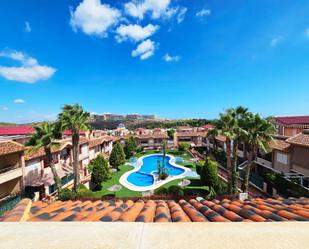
<point>123,179</point>
<point>118,235</point>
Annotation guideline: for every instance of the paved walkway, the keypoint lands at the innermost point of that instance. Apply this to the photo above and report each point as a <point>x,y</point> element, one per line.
<point>26,235</point>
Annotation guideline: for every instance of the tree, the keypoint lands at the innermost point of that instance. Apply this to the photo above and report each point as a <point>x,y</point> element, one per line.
<point>100,172</point>
<point>75,119</point>
<point>44,137</point>
<point>208,173</point>
<point>171,133</point>
<point>239,114</point>
<point>258,135</point>
<point>130,147</point>
<point>225,126</point>
<point>117,156</point>
<point>183,146</point>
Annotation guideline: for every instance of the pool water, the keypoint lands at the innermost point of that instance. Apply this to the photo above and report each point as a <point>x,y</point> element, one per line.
<point>144,176</point>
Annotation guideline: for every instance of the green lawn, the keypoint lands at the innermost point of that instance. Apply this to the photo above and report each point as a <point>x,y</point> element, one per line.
<point>194,188</point>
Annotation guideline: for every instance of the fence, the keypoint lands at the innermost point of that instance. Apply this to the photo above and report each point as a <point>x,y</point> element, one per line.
<point>9,203</point>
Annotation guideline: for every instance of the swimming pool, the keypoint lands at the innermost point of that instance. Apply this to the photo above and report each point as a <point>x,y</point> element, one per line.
<point>142,177</point>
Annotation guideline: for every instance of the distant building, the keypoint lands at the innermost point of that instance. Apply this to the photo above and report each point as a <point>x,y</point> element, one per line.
<point>20,134</point>
<point>291,125</point>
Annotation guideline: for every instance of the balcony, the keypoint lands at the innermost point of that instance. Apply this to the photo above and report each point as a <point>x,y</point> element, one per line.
<point>10,173</point>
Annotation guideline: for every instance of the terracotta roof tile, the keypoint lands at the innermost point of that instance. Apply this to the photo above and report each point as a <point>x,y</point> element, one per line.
<point>300,139</point>
<point>8,147</point>
<point>279,144</point>
<point>254,210</point>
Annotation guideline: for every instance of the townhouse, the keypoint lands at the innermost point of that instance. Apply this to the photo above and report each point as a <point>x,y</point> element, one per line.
<point>192,135</point>
<point>291,125</point>
<point>25,168</point>
<point>11,168</point>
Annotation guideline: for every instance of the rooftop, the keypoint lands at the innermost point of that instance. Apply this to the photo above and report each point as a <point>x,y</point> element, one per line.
<point>193,210</point>
<point>16,130</point>
<point>8,147</point>
<point>293,120</point>
<point>299,139</point>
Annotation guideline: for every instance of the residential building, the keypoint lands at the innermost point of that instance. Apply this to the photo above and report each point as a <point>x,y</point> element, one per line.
<point>20,134</point>
<point>189,134</point>
<point>291,125</point>
<point>11,168</point>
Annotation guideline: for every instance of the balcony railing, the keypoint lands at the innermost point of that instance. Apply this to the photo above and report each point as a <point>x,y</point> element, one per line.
<point>7,169</point>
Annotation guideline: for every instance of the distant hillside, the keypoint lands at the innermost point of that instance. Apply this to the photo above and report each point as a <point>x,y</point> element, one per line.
<point>149,124</point>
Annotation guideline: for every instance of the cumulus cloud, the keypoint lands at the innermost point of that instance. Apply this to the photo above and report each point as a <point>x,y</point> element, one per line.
<point>169,58</point>
<point>19,101</point>
<point>203,12</point>
<point>181,14</point>
<point>27,27</point>
<point>157,8</point>
<point>94,18</point>
<point>30,70</point>
<point>144,50</point>
<point>135,32</point>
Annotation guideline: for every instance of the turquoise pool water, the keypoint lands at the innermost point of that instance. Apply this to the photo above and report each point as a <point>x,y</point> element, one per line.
<point>143,176</point>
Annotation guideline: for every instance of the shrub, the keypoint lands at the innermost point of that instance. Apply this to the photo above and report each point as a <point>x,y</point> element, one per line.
<point>183,146</point>
<point>66,194</point>
<point>161,191</point>
<point>83,193</point>
<point>117,157</point>
<point>175,190</point>
<point>198,166</point>
<point>208,173</point>
<point>99,172</point>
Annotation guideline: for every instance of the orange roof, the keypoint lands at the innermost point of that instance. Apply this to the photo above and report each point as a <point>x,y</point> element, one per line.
<point>300,139</point>
<point>281,145</point>
<point>226,210</point>
<point>95,141</point>
<point>9,146</point>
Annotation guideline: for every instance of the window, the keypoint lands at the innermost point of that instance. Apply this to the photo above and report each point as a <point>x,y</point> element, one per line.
<point>282,158</point>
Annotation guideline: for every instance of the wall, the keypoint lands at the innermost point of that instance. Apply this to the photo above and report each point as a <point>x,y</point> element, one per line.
<point>280,165</point>
<point>10,187</point>
<point>9,160</point>
<point>300,159</point>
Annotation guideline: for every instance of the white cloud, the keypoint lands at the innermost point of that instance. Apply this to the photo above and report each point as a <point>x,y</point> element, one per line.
<point>144,50</point>
<point>274,41</point>
<point>30,70</point>
<point>94,18</point>
<point>19,101</point>
<point>135,32</point>
<point>181,14</point>
<point>307,32</point>
<point>27,27</point>
<point>4,108</point>
<point>169,58</point>
<point>157,8</point>
<point>203,12</point>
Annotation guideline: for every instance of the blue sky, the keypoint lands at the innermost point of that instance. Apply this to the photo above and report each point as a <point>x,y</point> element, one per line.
<point>176,59</point>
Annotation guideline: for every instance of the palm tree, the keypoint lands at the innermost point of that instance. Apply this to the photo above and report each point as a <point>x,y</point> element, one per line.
<point>44,137</point>
<point>239,114</point>
<point>74,118</point>
<point>226,126</point>
<point>258,135</point>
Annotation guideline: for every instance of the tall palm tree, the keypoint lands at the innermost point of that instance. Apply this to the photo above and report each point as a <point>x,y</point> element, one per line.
<point>239,114</point>
<point>74,118</point>
<point>258,135</point>
<point>44,137</point>
<point>226,126</point>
